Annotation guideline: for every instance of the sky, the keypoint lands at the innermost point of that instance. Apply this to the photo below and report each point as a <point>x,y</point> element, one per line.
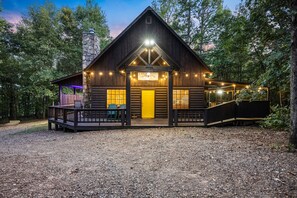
<point>119,13</point>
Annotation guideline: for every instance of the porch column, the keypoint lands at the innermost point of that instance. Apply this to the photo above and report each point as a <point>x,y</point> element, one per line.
<point>128,103</point>
<point>60,95</point>
<point>170,99</point>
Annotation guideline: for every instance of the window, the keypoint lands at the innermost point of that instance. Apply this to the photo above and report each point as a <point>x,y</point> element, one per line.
<point>180,99</point>
<point>116,96</point>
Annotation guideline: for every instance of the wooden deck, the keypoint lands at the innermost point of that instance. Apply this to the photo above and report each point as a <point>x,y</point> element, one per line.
<point>96,119</point>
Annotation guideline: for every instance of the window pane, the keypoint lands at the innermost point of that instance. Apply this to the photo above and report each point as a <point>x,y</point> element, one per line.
<point>180,99</point>
<point>116,96</point>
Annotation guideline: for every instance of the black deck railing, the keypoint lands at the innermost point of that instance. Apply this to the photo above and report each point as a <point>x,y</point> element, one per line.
<point>76,116</point>
<point>90,118</point>
<point>188,116</point>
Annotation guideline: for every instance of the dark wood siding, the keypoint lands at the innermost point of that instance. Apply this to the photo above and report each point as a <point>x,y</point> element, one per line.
<point>98,97</point>
<point>136,102</point>
<point>161,103</point>
<point>132,39</point>
<point>196,96</point>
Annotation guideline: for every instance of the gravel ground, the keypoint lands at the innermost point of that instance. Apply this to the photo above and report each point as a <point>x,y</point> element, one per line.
<point>158,162</point>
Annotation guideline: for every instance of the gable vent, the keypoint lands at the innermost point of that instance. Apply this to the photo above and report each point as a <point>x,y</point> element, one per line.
<point>148,20</point>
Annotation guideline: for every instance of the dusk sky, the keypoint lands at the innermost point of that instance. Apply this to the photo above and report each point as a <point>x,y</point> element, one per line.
<point>119,13</point>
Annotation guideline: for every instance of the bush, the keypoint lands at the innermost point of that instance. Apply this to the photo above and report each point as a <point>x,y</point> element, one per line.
<point>278,119</point>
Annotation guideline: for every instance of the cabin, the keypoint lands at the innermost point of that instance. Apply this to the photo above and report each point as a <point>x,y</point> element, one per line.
<point>147,76</point>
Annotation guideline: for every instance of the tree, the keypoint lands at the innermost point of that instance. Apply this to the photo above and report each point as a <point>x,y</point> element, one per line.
<point>294,75</point>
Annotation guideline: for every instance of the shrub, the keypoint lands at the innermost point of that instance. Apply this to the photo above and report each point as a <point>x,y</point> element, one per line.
<point>279,118</point>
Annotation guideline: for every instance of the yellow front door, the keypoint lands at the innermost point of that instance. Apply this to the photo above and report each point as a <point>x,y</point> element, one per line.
<point>148,104</point>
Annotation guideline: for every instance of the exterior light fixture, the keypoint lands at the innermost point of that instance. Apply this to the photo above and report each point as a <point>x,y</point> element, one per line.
<point>210,74</point>
<point>234,85</point>
<point>247,87</point>
<point>220,92</point>
<point>134,62</point>
<point>223,84</point>
<point>100,74</point>
<point>149,42</point>
<point>176,73</point>
<point>92,73</point>
<point>187,75</point>
<point>110,73</point>
<point>209,82</point>
<point>196,75</point>
<point>204,75</point>
<point>122,71</point>
<point>85,73</point>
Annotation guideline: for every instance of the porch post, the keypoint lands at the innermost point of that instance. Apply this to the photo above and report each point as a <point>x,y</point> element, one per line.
<point>60,95</point>
<point>128,103</point>
<point>170,99</point>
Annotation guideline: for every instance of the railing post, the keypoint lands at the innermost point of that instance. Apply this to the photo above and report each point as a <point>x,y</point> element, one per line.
<point>75,120</point>
<point>175,117</point>
<point>64,115</point>
<point>123,117</point>
<point>205,117</point>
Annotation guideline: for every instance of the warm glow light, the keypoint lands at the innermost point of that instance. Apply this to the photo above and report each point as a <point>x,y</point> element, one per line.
<point>187,75</point>
<point>196,75</point>
<point>122,71</point>
<point>134,75</point>
<point>223,84</point>
<point>220,92</point>
<point>92,73</point>
<point>110,73</point>
<point>163,75</point>
<point>234,85</point>
<point>85,73</point>
<point>209,82</point>
<point>100,73</point>
<point>210,74</point>
<point>204,75</point>
<point>260,88</point>
<point>148,42</point>
<point>176,73</point>
<point>164,63</point>
<point>247,86</point>
<point>134,62</point>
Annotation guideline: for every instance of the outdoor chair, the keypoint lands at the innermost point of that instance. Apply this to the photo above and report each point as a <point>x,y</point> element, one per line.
<point>112,114</point>
<point>77,104</point>
<point>122,106</point>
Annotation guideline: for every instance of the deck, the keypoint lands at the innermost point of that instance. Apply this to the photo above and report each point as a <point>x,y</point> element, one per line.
<point>96,119</point>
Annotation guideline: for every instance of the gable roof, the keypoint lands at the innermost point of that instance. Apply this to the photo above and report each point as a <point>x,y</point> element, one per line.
<point>148,9</point>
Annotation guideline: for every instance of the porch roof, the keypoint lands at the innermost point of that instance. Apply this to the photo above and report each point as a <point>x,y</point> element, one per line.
<point>70,80</point>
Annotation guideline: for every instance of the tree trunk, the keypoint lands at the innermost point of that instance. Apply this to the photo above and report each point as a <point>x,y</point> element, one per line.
<point>294,75</point>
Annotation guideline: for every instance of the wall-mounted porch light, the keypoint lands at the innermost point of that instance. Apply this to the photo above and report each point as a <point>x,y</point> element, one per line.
<point>100,73</point>
<point>110,73</point>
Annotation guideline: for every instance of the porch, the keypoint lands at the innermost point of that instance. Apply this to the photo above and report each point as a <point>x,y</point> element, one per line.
<point>79,119</point>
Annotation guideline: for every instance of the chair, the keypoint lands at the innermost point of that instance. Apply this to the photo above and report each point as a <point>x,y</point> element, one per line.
<point>77,104</point>
<point>112,114</point>
<point>122,106</point>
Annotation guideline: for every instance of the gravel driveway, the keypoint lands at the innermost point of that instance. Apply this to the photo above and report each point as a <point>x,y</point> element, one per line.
<point>158,162</point>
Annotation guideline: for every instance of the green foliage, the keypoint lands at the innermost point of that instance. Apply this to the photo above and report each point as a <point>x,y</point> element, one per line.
<point>46,45</point>
<point>251,94</point>
<point>278,119</point>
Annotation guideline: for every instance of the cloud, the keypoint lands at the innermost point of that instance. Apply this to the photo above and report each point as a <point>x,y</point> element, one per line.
<point>12,17</point>
<point>115,30</point>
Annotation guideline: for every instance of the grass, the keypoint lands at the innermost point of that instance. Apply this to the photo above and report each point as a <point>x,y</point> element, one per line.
<point>32,129</point>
